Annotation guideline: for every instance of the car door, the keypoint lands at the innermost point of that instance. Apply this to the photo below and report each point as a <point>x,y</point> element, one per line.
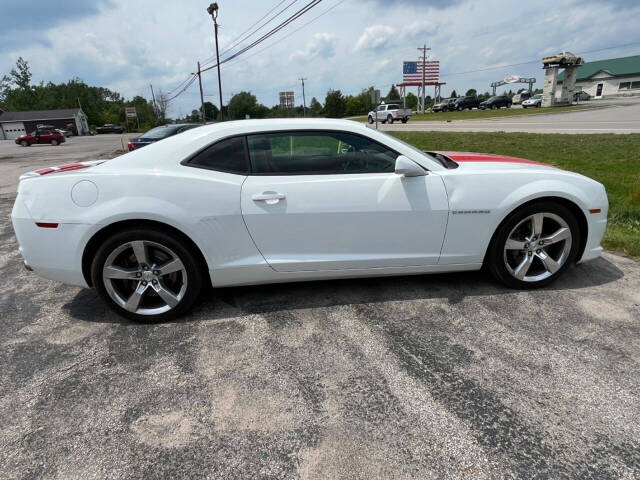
<point>331,201</point>
<point>43,136</point>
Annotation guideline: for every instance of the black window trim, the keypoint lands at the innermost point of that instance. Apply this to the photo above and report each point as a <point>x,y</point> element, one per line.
<point>284,174</point>
<point>187,161</point>
<point>250,170</point>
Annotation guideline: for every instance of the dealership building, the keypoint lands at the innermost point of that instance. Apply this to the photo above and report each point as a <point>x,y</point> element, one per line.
<point>616,77</point>
<point>14,124</point>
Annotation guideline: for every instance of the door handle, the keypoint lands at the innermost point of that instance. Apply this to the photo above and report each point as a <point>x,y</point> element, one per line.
<point>266,196</point>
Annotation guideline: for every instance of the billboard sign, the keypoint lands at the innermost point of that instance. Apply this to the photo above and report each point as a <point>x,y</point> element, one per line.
<point>287,100</point>
<point>512,78</point>
<point>130,112</point>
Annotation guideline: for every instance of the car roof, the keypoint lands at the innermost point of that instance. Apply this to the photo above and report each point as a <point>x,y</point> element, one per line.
<point>170,151</point>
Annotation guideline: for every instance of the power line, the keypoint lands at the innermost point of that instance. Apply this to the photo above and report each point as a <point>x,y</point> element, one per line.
<point>289,34</point>
<point>271,32</point>
<point>241,38</point>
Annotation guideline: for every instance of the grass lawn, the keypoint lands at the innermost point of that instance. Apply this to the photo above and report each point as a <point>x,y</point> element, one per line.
<point>479,114</point>
<point>613,160</point>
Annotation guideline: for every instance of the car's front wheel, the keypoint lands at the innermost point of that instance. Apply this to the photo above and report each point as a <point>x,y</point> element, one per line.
<point>24,143</point>
<point>146,275</point>
<point>534,245</point>
<point>370,119</point>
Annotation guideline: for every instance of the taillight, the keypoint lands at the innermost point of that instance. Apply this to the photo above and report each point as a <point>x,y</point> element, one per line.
<point>46,225</point>
<point>131,146</point>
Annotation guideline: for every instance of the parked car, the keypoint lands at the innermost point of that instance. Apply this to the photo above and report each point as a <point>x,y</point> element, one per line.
<point>535,101</point>
<point>444,105</point>
<point>40,136</point>
<point>497,101</point>
<point>466,102</point>
<point>110,128</point>
<point>158,133</point>
<point>561,59</point>
<point>389,113</point>
<point>581,95</point>
<point>63,131</point>
<point>518,98</point>
<point>281,200</point>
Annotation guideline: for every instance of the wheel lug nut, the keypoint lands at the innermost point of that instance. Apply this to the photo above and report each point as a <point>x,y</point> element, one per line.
<point>144,267</point>
<point>538,251</point>
<point>144,283</point>
<point>155,281</point>
<point>138,274</point>
<point>156,272</point>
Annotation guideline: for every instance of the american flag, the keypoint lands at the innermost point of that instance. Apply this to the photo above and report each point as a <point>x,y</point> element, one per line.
<point>412,71</point>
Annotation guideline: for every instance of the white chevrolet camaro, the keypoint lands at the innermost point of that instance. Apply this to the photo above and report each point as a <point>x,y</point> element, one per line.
<point>260,201</point>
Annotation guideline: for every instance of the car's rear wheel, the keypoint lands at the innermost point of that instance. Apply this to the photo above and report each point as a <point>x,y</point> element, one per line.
<point>534,245</point>
<point>405,120</point>
<point>146,275</point>
<point>389,119</point>
<point>24,143</point>
<point>54,142</point>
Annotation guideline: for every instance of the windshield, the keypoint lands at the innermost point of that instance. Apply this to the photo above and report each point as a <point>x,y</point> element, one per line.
<point>493,98</point>
<point>538,95</point>
<point>160,132</point>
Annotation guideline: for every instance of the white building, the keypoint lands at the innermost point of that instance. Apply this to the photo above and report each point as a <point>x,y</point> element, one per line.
<point>616,77</point>
<point>14,124</point>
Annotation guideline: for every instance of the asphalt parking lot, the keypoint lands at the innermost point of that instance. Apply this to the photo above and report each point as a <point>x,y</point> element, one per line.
<point>15,160</point>
<point>443,376</point>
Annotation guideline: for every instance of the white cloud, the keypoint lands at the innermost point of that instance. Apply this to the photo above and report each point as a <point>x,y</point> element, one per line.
<point>321,46</point>
<point>375,37</point>
<point>422,27</point>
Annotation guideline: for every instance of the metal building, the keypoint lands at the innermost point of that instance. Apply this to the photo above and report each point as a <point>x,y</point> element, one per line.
<point>14,124</point>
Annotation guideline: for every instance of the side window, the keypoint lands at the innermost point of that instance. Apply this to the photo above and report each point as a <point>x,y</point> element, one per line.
<point>381,108</point>
<point>225,156</point>
<point>318,153</point>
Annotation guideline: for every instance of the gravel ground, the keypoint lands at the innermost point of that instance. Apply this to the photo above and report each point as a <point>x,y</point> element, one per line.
<point>444,376</point>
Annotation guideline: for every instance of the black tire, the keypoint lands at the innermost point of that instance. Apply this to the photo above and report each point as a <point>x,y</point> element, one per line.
<point>524,106</point>
<point>193,271</point>
<point>24,143</point>
<point>370,119</point>
<point>405,120</point>
<point>494,261</point>
<point>460,109</point>
<point>54,142</point>
<point>389,119</point>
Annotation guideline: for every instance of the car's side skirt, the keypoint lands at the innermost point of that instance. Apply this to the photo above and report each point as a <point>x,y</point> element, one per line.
<point>261,274</point>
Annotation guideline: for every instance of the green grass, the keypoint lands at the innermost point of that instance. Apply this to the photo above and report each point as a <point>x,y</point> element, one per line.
<point>613,160</point>
<point>480,114</point>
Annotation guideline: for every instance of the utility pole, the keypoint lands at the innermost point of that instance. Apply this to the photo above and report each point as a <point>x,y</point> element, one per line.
<point>213,11</point>
<point>304,101</point>
<point>423,49</point>
<point>155,106</point>
<point>202,112</point>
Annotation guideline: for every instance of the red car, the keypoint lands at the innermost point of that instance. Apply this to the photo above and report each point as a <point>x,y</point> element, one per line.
<point>41,136</point>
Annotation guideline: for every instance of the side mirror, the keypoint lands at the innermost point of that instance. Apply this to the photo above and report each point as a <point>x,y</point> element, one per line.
<point>408,168</point>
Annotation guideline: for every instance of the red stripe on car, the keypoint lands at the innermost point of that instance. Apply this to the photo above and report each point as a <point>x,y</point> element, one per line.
<point>487,157</point>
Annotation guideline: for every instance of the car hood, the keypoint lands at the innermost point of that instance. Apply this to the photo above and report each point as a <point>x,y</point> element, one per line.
<point>484,161</point>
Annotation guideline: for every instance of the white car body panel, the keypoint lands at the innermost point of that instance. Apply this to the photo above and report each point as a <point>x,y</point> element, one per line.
<point>326,226</point>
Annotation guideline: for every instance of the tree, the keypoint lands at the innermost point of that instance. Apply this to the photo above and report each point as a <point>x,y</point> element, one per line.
<point>411,100</point>
<point>454,94</point>
<point>210,111</point>
<point>162,102</point>
<point>315,108</point>
<point>471,93</point>
<point>334,104</point>
<point>243,104</point>
<point>22,76</point>
<point>393,94</point>
<point>354,106</point>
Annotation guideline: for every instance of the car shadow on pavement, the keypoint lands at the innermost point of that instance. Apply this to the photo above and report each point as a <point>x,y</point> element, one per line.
<point>455,287</point>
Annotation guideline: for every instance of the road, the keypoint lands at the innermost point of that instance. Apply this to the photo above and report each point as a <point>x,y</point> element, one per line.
<point>15,160</point>
<point>443,376</point>
<point>623,116</point>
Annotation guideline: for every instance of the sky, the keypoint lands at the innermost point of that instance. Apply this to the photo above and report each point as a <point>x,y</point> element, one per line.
<point>354,44</point>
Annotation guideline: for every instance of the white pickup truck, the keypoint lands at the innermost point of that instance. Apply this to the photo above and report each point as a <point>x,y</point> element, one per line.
<point>389,113</point>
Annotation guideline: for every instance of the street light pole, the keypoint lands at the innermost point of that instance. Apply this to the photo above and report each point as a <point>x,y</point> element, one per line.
<point>213,11</point>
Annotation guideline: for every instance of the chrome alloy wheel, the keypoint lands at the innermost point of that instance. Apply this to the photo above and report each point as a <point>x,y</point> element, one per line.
<point>144,277</point>
<point>537,247</point>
